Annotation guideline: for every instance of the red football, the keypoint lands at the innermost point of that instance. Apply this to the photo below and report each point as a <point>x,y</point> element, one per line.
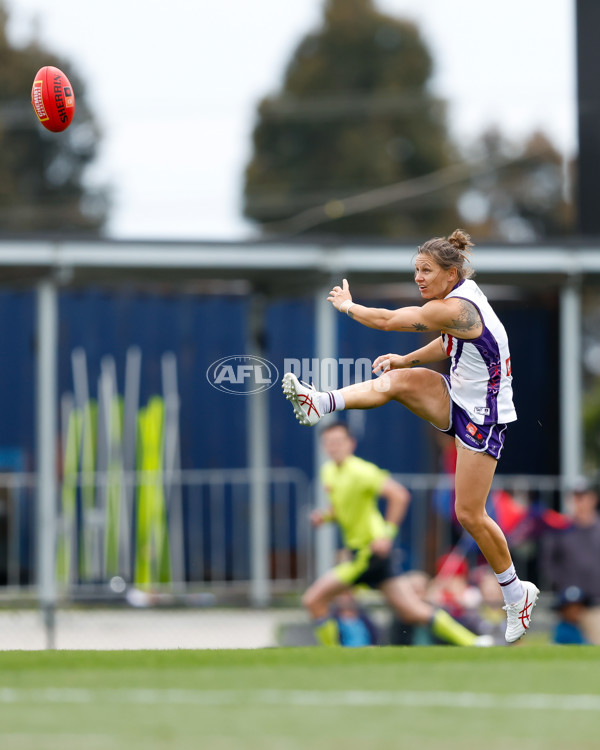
<point>53,98</point>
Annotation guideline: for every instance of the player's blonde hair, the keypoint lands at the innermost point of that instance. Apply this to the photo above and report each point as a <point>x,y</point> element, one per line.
<point>450,252</point>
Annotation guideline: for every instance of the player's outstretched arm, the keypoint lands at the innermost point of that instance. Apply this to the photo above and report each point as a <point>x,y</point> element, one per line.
<point>434,315</point>
<point>432,352</point>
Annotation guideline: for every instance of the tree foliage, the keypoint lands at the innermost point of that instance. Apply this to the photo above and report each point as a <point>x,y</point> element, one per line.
<point>591,424</point>
<point>354,114</point>
<point>41,173</point>
<point>355,143</point>
<point>518,195</point>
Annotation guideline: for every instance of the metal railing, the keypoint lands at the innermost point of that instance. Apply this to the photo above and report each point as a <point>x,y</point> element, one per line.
<point>431,530</point>
<point>191,530</point>
<point>183,529</point>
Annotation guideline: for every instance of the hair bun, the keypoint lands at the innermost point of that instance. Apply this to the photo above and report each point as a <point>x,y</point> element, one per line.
<point>461,241</point>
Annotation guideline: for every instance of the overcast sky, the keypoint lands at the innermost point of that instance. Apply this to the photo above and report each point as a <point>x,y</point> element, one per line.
<point>175,84</point>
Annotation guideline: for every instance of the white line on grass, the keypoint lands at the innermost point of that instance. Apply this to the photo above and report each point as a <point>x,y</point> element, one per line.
<point>83,740</point>
<point>312,698</point>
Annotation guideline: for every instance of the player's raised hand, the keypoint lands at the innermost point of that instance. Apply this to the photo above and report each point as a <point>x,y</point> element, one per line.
<point>338,295</point>
<point>386,362</point>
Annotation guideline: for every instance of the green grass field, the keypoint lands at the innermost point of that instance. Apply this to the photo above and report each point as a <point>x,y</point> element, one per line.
<point>434,697</point>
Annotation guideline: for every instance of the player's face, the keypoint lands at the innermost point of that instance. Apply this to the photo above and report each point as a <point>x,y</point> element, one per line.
<point>337,444</point>
<point>433,281</point>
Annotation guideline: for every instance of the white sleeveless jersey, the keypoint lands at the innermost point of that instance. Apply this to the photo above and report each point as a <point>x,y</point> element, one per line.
<point>481,373</point>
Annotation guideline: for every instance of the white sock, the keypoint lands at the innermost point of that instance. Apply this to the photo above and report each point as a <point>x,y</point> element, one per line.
<point>510,583</point>
<point>331,401</point>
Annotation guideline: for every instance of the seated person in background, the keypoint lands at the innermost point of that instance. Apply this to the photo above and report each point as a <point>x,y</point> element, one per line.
<point>413,634</point>
<point>468,595</point>
<point>451,588</point>
<point>571,557</point>
<point>355,627</point>
<point>571,606</point>
<point>490,608</point>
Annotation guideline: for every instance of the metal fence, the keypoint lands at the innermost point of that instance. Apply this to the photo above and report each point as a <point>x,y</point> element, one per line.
<point>430,529</point>
<point>193,531</point>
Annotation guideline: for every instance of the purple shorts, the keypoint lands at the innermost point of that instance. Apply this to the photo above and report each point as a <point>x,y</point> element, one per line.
<point>482,438</point>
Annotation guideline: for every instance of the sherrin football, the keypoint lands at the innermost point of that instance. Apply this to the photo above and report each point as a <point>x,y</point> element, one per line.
<point>53,99</point>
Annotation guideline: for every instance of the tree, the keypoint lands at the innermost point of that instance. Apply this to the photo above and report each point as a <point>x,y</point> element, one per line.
<point>517,193</point>
<point>41,173</point>
<point>591,425</point>
<point>354,114</point>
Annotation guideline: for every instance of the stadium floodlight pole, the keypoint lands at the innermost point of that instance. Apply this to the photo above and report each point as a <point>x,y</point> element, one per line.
<point>258,462</point>
<point>571,447</point>
<point>326,349</point>
<point>46,424</point>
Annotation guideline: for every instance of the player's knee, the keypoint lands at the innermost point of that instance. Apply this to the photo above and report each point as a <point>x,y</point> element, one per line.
<point>402,383</point>
<point>469,518</point>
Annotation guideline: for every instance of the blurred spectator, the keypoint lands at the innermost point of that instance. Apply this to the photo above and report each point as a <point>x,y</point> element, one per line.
<point>571,557</point>
<point>473,598</point>
<point>451,588</point>
<point>406,634</point>
<point>571,607</point>
<point>354,625</point>
<point>490,608</point>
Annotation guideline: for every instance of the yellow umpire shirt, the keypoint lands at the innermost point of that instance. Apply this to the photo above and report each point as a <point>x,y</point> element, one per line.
<point>354,487</point>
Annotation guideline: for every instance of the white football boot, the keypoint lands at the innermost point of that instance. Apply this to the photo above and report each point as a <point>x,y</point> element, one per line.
<point>518,615</point>
<point>304,398</point>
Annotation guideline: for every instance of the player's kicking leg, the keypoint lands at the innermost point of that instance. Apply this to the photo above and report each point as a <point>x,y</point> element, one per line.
<point>422,391</point>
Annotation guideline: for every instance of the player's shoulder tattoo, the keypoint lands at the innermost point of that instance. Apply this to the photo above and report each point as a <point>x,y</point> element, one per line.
<point>468,317</point>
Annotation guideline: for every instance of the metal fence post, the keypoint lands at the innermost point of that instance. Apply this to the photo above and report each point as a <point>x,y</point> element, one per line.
<point>46,424</point>
<point>258,462</point>
<point>326,348</point>
<point>571,430</point>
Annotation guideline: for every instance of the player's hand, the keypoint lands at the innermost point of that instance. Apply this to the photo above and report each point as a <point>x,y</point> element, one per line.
<point>339,295</point>
<point>317,517</point>
<point>382,547</point>
<point>386,362</point>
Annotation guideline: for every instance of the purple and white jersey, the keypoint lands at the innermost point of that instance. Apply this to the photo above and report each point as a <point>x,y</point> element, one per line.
<point>481,374</point>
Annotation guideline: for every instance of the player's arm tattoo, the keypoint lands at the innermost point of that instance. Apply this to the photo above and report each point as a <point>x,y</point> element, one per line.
<point>415,362</point>
<point>420,327</point>
<point>468,317</point>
